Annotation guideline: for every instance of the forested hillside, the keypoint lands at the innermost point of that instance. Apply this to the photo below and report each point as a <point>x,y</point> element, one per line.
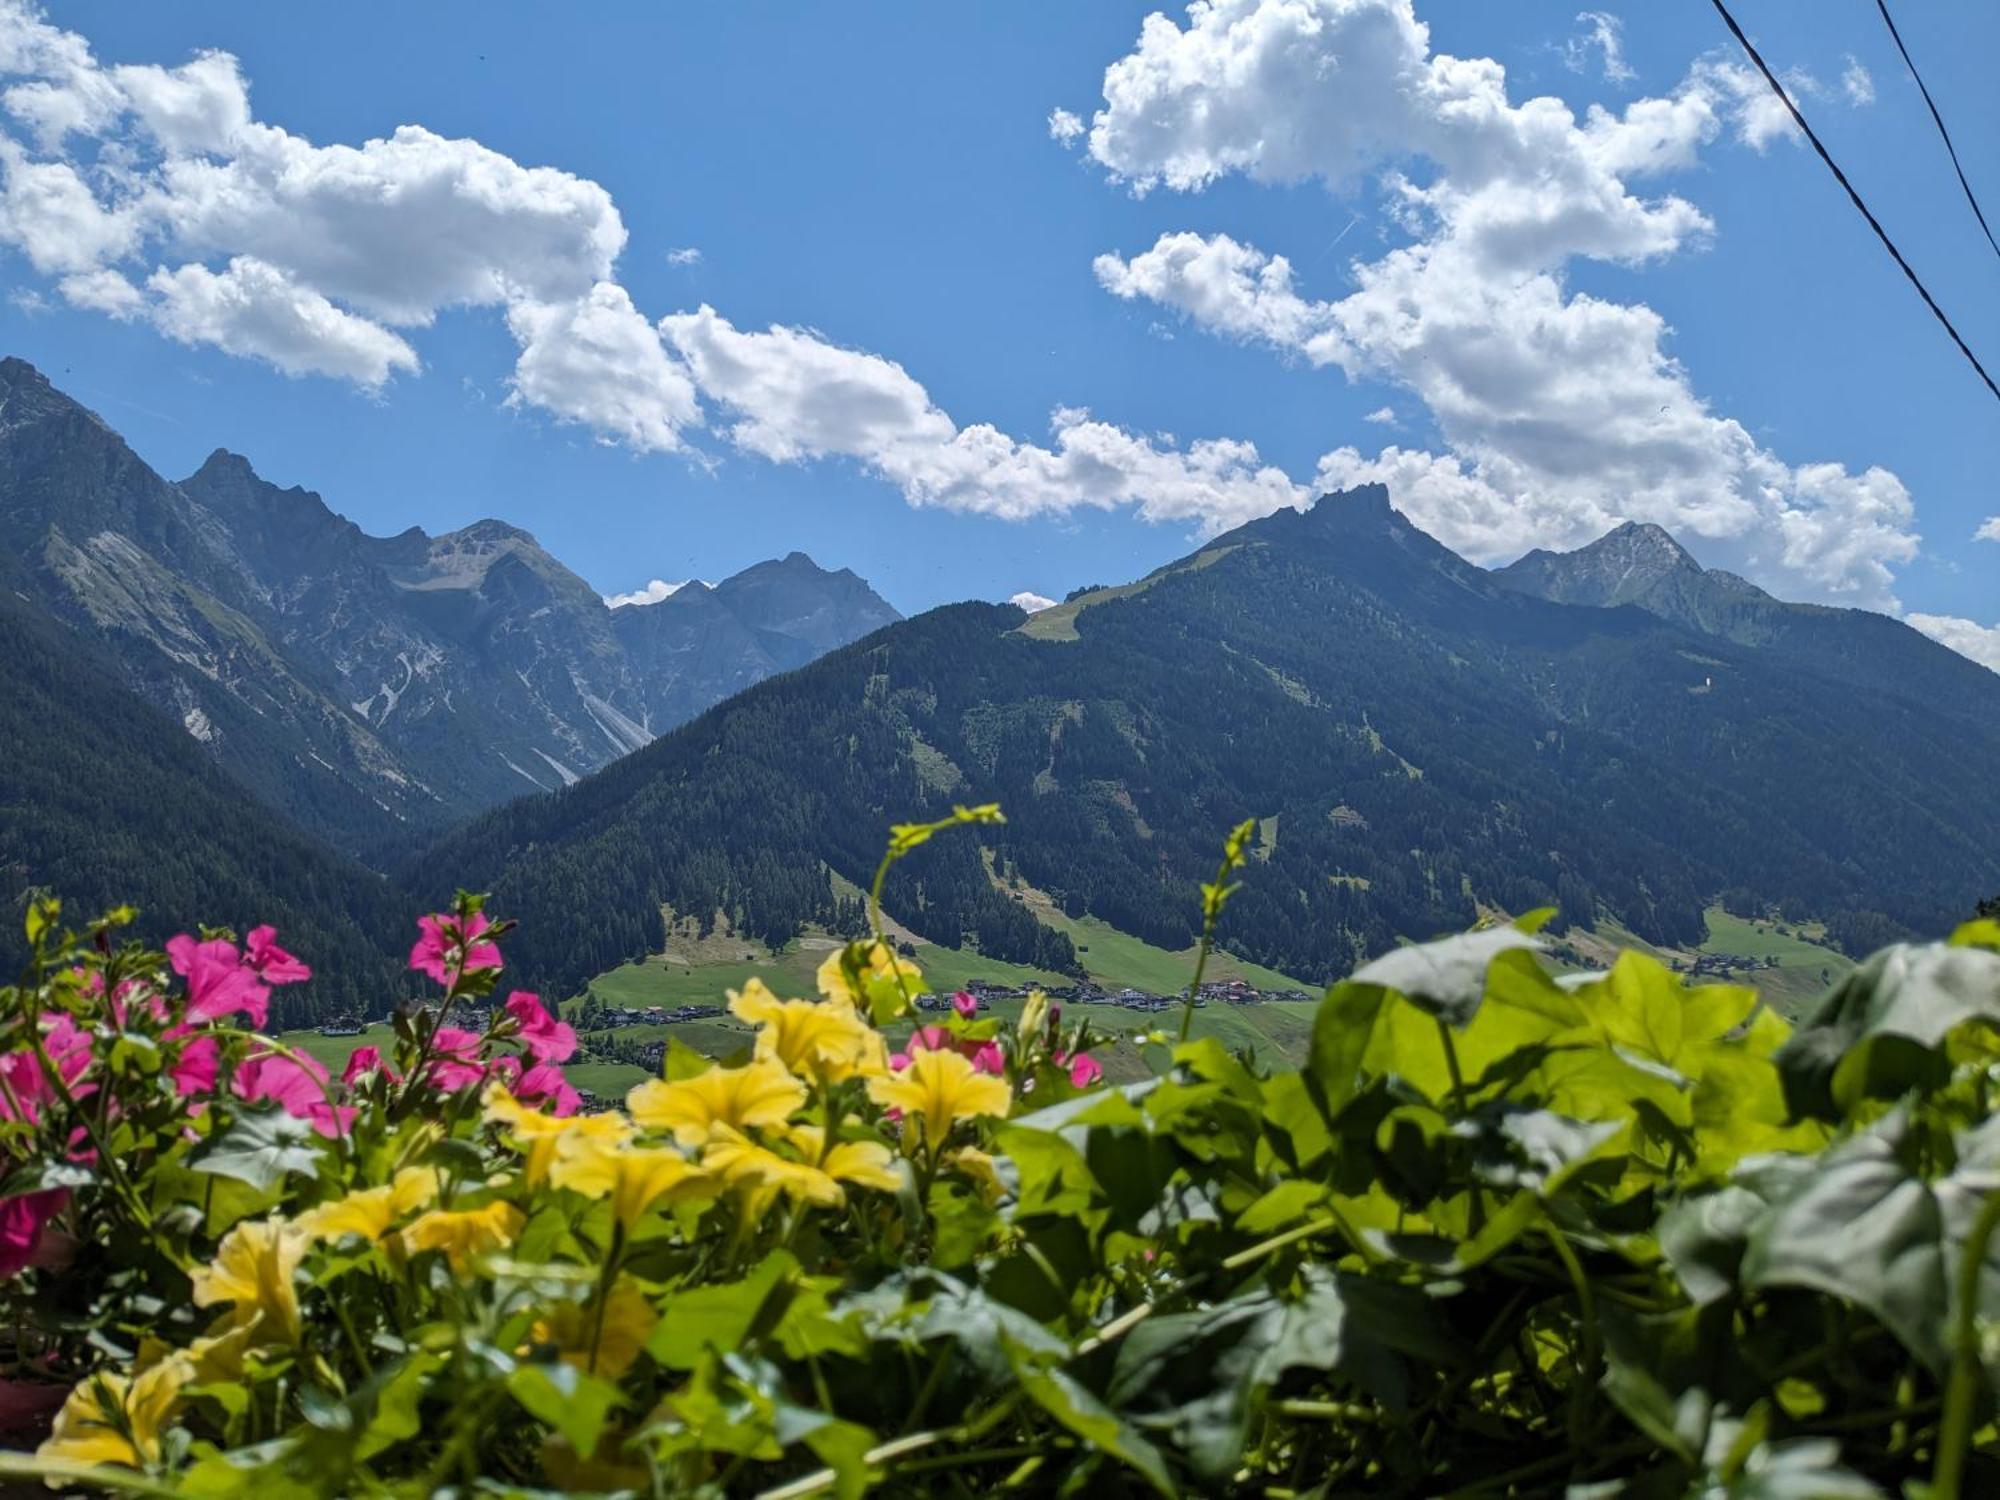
<point>1416,739</point>
<point>104,800</point>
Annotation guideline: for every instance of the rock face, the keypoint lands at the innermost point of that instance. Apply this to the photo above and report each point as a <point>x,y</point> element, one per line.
<point>1642,565</point>
<point>373,688</point>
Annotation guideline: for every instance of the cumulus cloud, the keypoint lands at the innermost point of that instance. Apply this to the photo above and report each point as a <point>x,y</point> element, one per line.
<point>1382,416</point>
<point>1065,126</point>
<point>1966,637</point>
<point>254,308</point>
<point>597,361</point>
<point>1989,530</point>
<point>1032,602</point>
<point>1604,37</point>
<point>1564,412</point>
<point>652,593</point>
<point>791,395</point>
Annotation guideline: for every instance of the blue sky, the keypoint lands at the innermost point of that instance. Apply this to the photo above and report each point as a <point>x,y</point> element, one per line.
<point>884,179</point>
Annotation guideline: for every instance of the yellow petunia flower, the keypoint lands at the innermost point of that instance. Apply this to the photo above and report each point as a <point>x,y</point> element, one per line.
<point>763,1173</point>
<point>464,1234</point>
<point>938,1089</point>
<point>634,1178</point>
<point>761,1093</point>
<point>537,1135</point>
<point>117,1419</point>
<point>619,1335</point>
<point>825,1040</point>
<point>880,966</point>
<point>254,1269</point>
<point>864,1163</point>
<point>372,1212</point>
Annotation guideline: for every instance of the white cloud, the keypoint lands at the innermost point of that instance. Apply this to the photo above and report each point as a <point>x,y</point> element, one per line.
<point>1967,637</point>
<point>1564,412</point>
<point>256,309</point>
<point>684,255</point>
<point>1382,416</point>
<point>794,396</point>
<point>1857,83</point>
<point>597,361</point>
<point>1603,35</point>
<point>104,291</point>
<point>1032,602</point>
<point>1065,126</point>
<point>652,593</point>
<point>1989,530</point>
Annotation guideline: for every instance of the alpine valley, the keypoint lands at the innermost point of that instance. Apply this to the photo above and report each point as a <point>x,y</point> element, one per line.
<point>327,727</point>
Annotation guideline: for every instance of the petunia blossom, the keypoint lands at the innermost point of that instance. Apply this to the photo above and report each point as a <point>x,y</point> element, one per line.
<point>272,963</point>
<point>218,983</point>
<point>545,1085</point>
<point>447,947</point>
<point>1084,1070</point>
<point>965,1005</point>
<point>297,1085</point>
<point>195,1069</point>
<point>22,1220</point>
<point>361,1062</point>
<point>454,1063</point>
<point>545,1038</point>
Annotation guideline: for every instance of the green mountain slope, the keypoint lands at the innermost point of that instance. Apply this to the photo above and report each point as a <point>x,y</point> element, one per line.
<point>105,800</point>
<point>1415,738</point>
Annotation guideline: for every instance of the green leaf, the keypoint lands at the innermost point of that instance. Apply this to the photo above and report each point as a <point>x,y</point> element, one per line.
<point>1343,1026</point>
<point>721,1317</point>
<point>573,1403</point>
<point>1447,978</point>
<point>1082,1413</point>
<point>259,1148</point>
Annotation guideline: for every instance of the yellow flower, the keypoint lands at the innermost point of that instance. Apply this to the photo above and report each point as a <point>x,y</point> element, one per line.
<point>619,1336</point>
<point>880,968</point>
<point>762,1173</point>
<point>1033,1013</point>
<point>938,1089</point>
<point>371,1212</point>
<point>253,1270</point>
<point>464,1234</point>
<point>537,1135</point>
<point>864,1163</point>
<point>633,1178</point>
<point>762,1093</point>
<point>116,1419</point>
<point>824,1039</point>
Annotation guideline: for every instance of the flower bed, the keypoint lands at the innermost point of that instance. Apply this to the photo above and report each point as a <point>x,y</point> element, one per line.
<point>1501,1234</point>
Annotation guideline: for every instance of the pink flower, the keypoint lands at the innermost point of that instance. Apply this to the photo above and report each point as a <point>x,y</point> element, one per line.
<point>297,1085</point>
<point>965,1005</point>
<point>218,983</point>
<point>446,947</point>
<point>22,1220</point>
<point>1084,1070</point>
<point>194,1071</point>
<point>361,1062</point>
<point>544,1084</point>
<point>272,963</point>
<point>989,1059</point>
<point>546,1039</point>
<point>454,1063</point>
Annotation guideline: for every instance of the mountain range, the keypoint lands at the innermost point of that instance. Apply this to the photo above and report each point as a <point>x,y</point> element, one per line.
<point>372,689</point>
<point>226,701</point>
<point>1614,732</point>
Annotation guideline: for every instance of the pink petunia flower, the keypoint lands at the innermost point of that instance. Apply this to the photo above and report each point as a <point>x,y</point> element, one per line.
<point>22,1220</point>
<point>218,983</point>
<point>298,1086</point>
<point>965,1005</point>
<point>545,1038</point>
<point>989,1059</point>
<point>361,1062</point>
<point>544,1084</point>
<point>446,947</point>
<point>1084,1070</point>
<point>454,1063</point>
<point>272,963</point>
<point>195,1070</point>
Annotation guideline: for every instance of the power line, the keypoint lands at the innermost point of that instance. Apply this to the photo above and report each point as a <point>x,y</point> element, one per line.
<point>1841,177</point>
<point>1908,62</point>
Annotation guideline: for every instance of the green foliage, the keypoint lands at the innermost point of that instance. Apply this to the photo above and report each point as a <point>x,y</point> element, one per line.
<point>1501,1234</point>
